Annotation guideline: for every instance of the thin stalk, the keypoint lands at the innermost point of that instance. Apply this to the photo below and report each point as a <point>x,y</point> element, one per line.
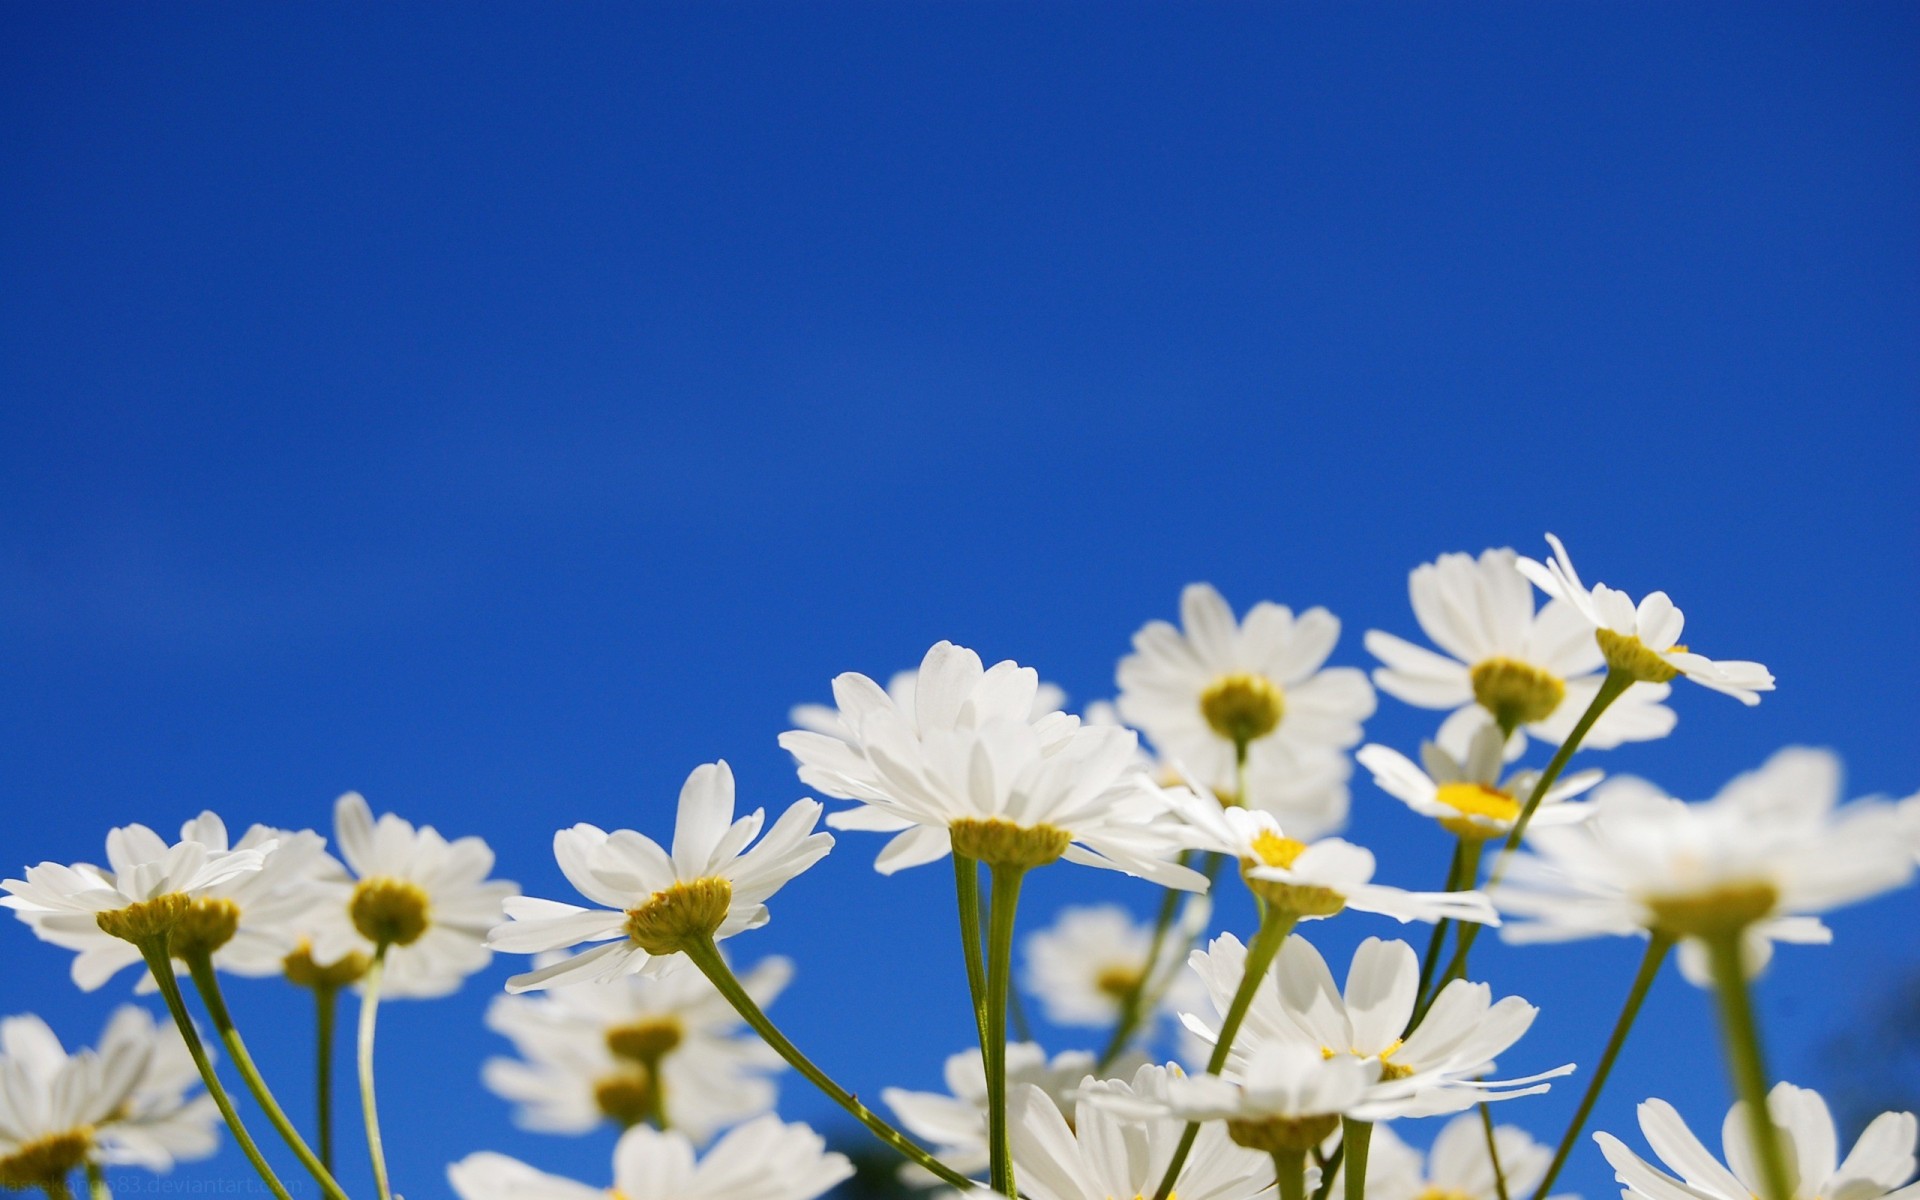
<point>1650,964</point>
<point>1356,1136</point>
<point>1328,1167</point>
<point>207,982</point>
<point>966,887</point>
<point>1746,1060</point>
<point>369,1014</point>
<point>1000,918</point>
<point>706,956</point>
<point>56,1188</point>
<point>97,1188</point>
<point>1493,1150</point>
<point>160,963</point>
<point>325,1007</point>
<point>1431,958</point>
<point>1131,1004</point>
<point>1290,1173</point>
<point>1266,944</point>
<point>1465,873</point>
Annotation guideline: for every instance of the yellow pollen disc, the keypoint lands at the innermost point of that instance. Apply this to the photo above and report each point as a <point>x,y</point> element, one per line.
<point>1515,692</point>
<point>683,914</point>
<point>1242,708</point>
<point>1282,1133</point>
<point>1440,1193</point>
<point>146,920</point>
<point>301,970</point>
<point>645,1041</point>
<point>1273,850</point>
<point>1723,910</point>
<point>42,1161</point>
<point>389,912</point>
<point>1480,800</point>
<point>207,925</point>
<point>1633,657</point>
<point>627,1097</point>
<point>1002,843</point>
<point>1118,982</point>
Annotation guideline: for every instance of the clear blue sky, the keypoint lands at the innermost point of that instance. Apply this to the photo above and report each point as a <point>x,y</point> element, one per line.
<point>502,409</point>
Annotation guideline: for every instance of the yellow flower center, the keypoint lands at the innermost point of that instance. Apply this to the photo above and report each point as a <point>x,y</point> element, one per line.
<point>43,1161</point>
<point>145,920</point>
<point>1389,1070</point>
<point>1481,800</point>
<point>1723,910</point>
<point>1634,658</point>
<point>1516,693</point>
<point>683,914</point>
<point>389,912</point>
<point>1273,850</point>
<point>1242,708</point>
<point>627,1097</point>
<point>1302,900</point>
<point>205,926</point>
<point>1433,1192</point>
<point>1002,843</point>
<point>303,971</point>
<point>645,1041</point>
<point>1273,1134</point>
<point>1118,982</point>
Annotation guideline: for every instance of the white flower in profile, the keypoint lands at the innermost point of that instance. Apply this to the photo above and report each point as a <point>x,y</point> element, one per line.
<point>427,900</point>
<point>1457,1166</point>
<point>53,1104</point>
<point>1772,849</point>
<point>954,1123</point>
<point>665,1045</point>
<point>764,1159</point>
<point>970,769</point>
<point>1881,1161</point>
<point>903,691</point>
<point>1104,1153</point>
<point>1084,966</point>
<point>1287,1097</point>
<point>1467,796</point>
<point>1216,688</point>
<point>1643,640</point>
<point>165,1119</point>
<point>656,903</point>
<point>1505,663</point>
<point>1437,1067</point>
<point>1313,880</point>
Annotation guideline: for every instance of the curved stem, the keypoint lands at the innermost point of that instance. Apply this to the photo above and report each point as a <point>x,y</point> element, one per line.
<point>207,982</point>
<point>1290,1174</point>
<point>1130,1004</point>
<point>1356,1136</point>
<point>1006,899</point>
<point>325,1006</point>
<point>1266,944</point>
<point>1656,954</point>
<point>1431,958</point>
<point>369,1014</point>
<point>1493,1150</point>
<point>1744,1057</point>
<point>160,963</point>
<point>966,887</point>
<point>706,956</point>
<point>97,1188</point>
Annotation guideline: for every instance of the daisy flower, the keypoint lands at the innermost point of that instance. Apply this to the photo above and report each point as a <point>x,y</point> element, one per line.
<point>1100,1153</point>
<point>903,691</point>
<point>1436,1068</point>
<point>665,1046</point>
<point>657,903</point>
<point>1466,795</point>
<point>1457,1167</point>
<point>425,900</point>
<point>1642,641</point>
<point>1502,663</point>
<point>53,1105</point>
<point>1879,1164</point>
<point>764,1159</point>
<point>1769,851</point>
<point>969,769</point>
<point>164,1119</point>
<point>1085,965</point>
<point>954,1123</point>
<point>1218,689</point>
<point>1313,880</point>
<point>1287,1098</point>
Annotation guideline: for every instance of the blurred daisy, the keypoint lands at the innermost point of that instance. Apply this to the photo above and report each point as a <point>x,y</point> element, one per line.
<point>1085,965</point>
<point>1467,796</point>
<point>1436,1068</point>
<point>1101,1153</point>
<point>1503,662</point>
<point>665,1047</point>
<point>764,1159</point>
<point>1643,640</point>
<point>710,886</point>
<point>954,1123</point>
<point>1879,1164</point>
<point>1216,689</point>
<point>55,1107</point>
<point>165,1119</point>
<point>1457,1167</point>
<point>1768,851</point>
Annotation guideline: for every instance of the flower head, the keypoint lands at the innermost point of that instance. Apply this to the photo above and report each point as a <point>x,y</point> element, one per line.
<point>659,902</point>
<point>165,1119</point>
<point>1467,795</point>
<point>1286,1097</point>
<point>903,692</point>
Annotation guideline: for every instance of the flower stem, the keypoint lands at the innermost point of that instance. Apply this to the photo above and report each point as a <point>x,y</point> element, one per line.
<point>97,1188</point>
<point>325,1006</point>
<point>55,1186</point>
<point>1742,1036</point>
<point>369,1014</point>
<point>1006,899</point>
<point>1656,954</point>
<point>207,982</point>
<point>1462,874</point>
<point>705,955</point>
<point>1132,1004</point>
<point>1266,944</point>
<point>1356,1136</point>
<point>1290,1173</point>
<point>1493,1150</point>
<point>160,963</point>
<point>966,887</point>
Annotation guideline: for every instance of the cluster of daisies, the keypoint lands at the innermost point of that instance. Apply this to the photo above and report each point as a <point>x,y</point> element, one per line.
<point>1224,762</point>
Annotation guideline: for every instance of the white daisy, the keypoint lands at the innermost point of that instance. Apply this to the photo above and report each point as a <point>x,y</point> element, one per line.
<point>427,900</point>
<point>1287,1097</point>
<point>954,1123</point>
<point>1770,850</point>
<point>1313,880</point>
<point>661,1046</point>
<point>1085,965</point>
<point>764,1159</point>
<point>53,1104</point>
<point>903,691</point>
<point>1467,796</point>
<point>1643,640</point>
<point>1436,1068</point>
<point>970,768</point>
<point>1879,1164</point>
<point>1457,1167</point>
<point>165,1119</point>
<point>1503,662</point>
<point>710,886</point>
<point>1102,1153</point>
<point>1218,688</point>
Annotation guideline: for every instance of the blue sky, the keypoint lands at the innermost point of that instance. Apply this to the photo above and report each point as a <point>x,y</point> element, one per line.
<point>502,410</point>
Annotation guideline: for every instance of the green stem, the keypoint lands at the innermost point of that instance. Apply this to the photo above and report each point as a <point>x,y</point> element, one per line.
<point>1328,1167</point>
<point>1260,955</point>
<point>1744,1057</point>
<point>1463,874</point>
<point>56,1188</point>
<point>1290,1173</point>
<point>966,886</point>
<point>97,1188</point>
<point>1356,1136</point>
<point>325,1007</point>
<point>1431,958</point>
<point>1650,963</point>
<point>1131,1004</point>
<point>160,963</point>
<point>1000,918</point>
<point>207,982</point>
<point>1493,1150</point>
<point>705,955</point>
<point>369,1014</point>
